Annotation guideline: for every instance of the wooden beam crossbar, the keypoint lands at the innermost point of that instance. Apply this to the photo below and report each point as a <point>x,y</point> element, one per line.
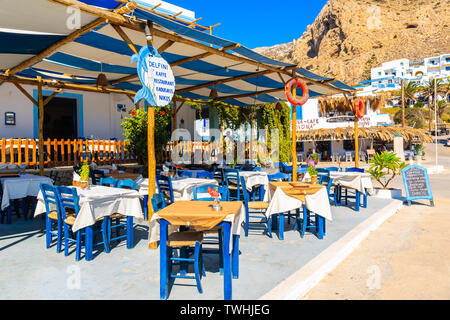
<point>244,95</point>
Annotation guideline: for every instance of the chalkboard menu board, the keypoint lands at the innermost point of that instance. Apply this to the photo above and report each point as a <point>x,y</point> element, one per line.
<point>417,184</point>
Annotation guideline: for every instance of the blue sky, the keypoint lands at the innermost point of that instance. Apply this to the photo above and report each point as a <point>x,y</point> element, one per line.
<point>255,23</point>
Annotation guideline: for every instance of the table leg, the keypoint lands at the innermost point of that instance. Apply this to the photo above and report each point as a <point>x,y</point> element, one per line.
<point>320,225</point>
<point>365,199</point>
<point>357,200</point>
<point>226,261</point>
<point>163,274</point>
<point>130,238</point>
<point>281,225</point>
<point>145,207</point>
<point>9,213</point>
<point>235,259</point>
<point>338,195</point>
<point>89,241</point>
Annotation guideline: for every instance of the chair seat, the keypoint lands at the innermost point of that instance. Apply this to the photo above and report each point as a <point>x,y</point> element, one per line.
<point>210,231</point>
<point>54,214</point>
<point>116,216</point>
<point>232,187</point>
<point>70,220</point>
<point>184,238</point>
<point>258,205</point>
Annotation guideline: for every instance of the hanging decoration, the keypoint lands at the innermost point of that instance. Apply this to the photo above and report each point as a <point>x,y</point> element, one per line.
<point>295,83</point>
<point>156,76</point>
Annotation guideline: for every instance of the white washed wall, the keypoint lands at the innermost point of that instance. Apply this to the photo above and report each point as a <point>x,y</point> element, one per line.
<point>101,120</point>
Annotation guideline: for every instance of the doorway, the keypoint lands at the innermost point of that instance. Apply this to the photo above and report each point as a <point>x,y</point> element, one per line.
<point>60,118</point>
<point>324,148</point>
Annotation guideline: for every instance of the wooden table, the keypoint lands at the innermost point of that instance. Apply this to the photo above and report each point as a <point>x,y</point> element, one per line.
<point>200,214</point>
<point>286,196</point>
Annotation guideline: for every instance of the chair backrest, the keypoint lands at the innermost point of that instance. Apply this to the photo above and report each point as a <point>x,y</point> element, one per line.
<point>205,174</point>
<point>127,184</point>
<point>50,196</point>
<point>232,175</point>
<point>323,170</point>
<point>258,169</point>
<point>285,167</point>
<point>68,198</point>
<point>327,180</point>
<point>164,184</point>
<point>354,170</point>
<point>219,175</point>
<point>245,193</point>
<point>279,176</point>
<point>332,169</point>
<point>109,182</point>
<point>188,174</point>
<point>96,175</point>
<point>158,202</point>
<point>199,190</point>
<point>54,175</point>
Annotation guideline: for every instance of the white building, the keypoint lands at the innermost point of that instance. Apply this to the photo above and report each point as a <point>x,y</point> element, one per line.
<point>390,74</point>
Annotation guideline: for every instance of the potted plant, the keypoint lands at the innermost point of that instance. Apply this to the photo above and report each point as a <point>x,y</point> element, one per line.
<point>84,175</point>
<point>312,171</point>
<point>315,157</point>
<point>384,168</point>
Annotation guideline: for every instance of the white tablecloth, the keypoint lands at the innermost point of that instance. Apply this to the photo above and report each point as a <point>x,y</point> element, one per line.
<point>153,234</point>
<point>183,188</point>
<point>21,187</point>
<point>100,201</point>
<point>356,180</point>
<point>317,203</point>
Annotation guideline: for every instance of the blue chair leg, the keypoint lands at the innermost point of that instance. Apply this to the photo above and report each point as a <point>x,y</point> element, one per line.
<point>59,237</point>
<point>146,207</point>
<point>66,240</point>
<point>197,267</point>
<point>89,239</point>
<point>305,220</point>
<point>365,199</point>
<point>9,214</point>
<point>78,246</point>
<point>105,234</point>
<point>227,261</point>
<point>269,227</point>
<point>48,229</point>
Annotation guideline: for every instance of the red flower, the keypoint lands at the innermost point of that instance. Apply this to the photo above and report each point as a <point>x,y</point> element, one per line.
<point>133,112</point>
<point>163,113</point>
<point>213,192</point>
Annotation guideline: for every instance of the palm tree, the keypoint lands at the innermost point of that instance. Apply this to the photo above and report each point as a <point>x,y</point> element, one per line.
<point>410,90</point>
<point>427,91</point>
<point>441,106</point>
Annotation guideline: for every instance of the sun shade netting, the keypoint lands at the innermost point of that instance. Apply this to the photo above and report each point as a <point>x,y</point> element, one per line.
<point>102,50</point>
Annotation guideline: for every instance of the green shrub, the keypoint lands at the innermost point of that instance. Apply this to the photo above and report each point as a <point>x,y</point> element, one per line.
<point>385,166</point>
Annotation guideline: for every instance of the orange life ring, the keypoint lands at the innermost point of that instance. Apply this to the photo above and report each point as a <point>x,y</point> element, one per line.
<point>360,108</point>
<point>298,101</point>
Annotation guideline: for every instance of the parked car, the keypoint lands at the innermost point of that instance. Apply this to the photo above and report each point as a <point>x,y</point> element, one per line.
<point>441,130</point>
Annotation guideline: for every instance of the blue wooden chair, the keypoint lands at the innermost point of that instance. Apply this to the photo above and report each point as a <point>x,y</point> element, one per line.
<point>335,169</point>
<point>108,182</point>
<point>219,176</point>
<point>164,184</point>
<point>114,221</point>
<point>285,167</point>
<point>223,191</point>
<point>232,181</point>
<point>258,169</point>
<point>317,226</point>
<point>68,202</point>
<point>53,220</point>
<point>255,209</point>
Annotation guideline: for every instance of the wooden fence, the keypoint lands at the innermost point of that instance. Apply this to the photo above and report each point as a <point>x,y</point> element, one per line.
<point>198,152</point>
<point>63,152</point>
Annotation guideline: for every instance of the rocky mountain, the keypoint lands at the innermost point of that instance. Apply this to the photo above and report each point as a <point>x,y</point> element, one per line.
<point>349,37</point>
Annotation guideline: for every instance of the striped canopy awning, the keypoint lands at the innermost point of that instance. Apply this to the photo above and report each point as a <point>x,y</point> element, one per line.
<point>202,63</point>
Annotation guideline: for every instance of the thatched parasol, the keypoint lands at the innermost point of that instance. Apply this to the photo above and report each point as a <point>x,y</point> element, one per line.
<point>343,105</point>
<point>386,134</point>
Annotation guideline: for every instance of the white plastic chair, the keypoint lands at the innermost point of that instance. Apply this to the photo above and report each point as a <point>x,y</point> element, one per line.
<point>348,156</point>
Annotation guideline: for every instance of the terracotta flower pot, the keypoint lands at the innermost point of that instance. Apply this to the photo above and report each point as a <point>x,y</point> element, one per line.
<point>314,180</point>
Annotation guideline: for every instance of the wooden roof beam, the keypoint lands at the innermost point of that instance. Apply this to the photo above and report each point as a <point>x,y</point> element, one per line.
<point>245,95</point>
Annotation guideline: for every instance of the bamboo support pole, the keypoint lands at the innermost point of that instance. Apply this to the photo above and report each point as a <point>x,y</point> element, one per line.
<point>41,127</point>
<point>294,139</point>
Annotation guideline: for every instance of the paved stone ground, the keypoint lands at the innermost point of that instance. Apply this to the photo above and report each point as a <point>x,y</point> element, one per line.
<point>407,257</point>
<point>30,271</point>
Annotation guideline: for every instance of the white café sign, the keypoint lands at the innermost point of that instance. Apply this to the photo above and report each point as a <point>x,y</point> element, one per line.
<point>156,76</point>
